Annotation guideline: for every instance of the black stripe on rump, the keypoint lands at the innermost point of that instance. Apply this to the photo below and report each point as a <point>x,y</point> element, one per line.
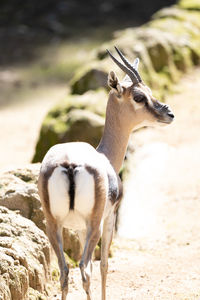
<point>70,173</point>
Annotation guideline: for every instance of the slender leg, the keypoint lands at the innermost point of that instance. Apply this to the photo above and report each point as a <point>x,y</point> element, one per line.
<point>92,238</point>
<point>105,246</point>
<point>54,233</point>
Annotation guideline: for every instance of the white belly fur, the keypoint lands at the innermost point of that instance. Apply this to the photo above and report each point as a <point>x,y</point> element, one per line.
<point>58,187</point>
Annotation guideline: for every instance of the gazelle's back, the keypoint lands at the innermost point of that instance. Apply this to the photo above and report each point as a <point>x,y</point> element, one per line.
<point>79,153</point>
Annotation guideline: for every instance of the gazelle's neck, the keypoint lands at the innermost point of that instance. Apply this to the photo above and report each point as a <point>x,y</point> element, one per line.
<point>115,138</point>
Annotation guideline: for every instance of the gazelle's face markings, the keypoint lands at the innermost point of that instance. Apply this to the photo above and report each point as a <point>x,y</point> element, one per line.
<point>148,110</point>
<point>135,98</point>
<point>137,104</point>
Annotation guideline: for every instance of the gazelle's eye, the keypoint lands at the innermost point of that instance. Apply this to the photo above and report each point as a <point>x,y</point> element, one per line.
<point>139,98</point>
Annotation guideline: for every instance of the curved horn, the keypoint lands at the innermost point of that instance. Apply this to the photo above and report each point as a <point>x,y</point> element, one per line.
<point>127,63</point>
<point>131,74</point>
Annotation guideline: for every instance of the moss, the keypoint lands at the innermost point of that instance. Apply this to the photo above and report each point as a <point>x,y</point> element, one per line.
<point>68,256</point>
<point>182,58</point>
<point>48,138</point>
<point>177,14</point>
<point>184,39</point>
<point>195,55</point>
<point>190,4</point>
<point>189,29</point>
<point>162,49</point>
<point>55,274</point>
<point>155,46</point>
<point>65,122</point>
<point>18,282</point>
<point>97,252</point>
<point>35,295</point>
<point>70,130</point>
<point>155,51</point>
<point>24,177</point>
<point>89,80</point>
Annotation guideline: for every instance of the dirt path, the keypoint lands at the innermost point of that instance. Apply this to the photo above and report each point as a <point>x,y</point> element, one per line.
<point>163,260</point>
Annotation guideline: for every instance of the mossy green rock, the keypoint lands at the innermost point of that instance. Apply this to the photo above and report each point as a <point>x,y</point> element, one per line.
<point>72,245</point>
<point>190,4</point>
<point>88,79</point>
<point>77,118</point>
<point>165,54</point>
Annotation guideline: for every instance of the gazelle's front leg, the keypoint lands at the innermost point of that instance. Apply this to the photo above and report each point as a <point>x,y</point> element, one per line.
<point>54,232</point>
<point>92,238</point>
<point>106,239</point>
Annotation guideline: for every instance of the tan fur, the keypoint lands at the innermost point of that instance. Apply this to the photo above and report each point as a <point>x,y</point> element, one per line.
<point>100,196</point>
<point>43,188</point>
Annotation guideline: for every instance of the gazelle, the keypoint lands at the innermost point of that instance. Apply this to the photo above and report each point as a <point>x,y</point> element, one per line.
<point>79,186</point>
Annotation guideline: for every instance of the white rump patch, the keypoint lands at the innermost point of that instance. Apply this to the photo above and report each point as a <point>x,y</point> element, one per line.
<point>58,187</point>
<point>84,192</point>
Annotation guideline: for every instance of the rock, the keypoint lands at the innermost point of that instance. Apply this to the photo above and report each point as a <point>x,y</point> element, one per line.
<point>91,79</point>
<point>24,257</point>
<point>93,76</point>
<point>184,43</point>
<point>164,55</point>
<point>18,191</point>
<point>158,46</point>
<point>90,122</point>
<point>190,4</point>
<point>28,173</point>
<point>78,118</point>
<point>72,245</point>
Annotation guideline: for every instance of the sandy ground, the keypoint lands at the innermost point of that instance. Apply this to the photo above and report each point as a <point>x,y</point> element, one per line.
<point>161,258</point>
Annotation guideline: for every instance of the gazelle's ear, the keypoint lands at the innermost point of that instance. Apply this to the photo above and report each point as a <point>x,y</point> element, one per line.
<point>114,84</point>
<point>136,63</point>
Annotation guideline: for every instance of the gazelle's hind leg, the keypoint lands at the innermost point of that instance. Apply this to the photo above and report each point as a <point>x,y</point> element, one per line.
<point>54,233</point>
<point>92,238</point>
<point>106,239</point>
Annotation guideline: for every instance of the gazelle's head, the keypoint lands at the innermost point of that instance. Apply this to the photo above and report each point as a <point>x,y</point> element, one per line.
<point>135,103</point>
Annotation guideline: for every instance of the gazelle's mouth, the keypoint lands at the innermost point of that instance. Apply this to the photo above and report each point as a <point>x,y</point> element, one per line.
<point>169,121</point>
<point>168,118</point>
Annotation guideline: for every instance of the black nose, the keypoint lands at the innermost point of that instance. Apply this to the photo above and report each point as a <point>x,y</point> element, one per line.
<point>170,114</point>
